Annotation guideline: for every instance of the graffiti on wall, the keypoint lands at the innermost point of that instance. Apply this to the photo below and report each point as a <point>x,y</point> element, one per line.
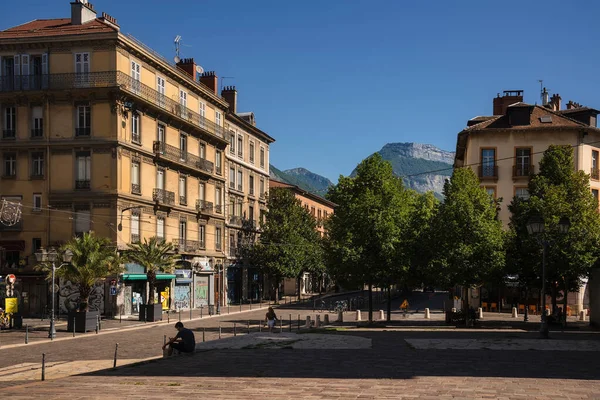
<point>68,298</point>
<point>182,296</point>
<point>201,291</point>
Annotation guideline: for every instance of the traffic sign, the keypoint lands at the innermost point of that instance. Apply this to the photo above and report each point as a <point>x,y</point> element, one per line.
<point>11,278</point>
<point>404,304</point>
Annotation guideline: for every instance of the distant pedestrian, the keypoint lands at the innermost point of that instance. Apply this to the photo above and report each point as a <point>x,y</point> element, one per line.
<point>184,341</point>
<point>270,318</point>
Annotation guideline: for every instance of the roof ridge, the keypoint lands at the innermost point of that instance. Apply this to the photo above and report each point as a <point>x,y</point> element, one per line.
<point>562,116</point>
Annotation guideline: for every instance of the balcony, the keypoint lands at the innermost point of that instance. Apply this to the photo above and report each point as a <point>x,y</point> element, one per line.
<point>188,246</point>
<point>136,138</point>
<point>9,134</point>
<point>522,171</point>
<point>204,207</point>
<point>82,184</point>
<point>488,172</point>
<point>108,79</point>
<point>183,200</point>
<point>219,209</point>
<point>82,132</point>
<point>595,174</point>
<point>235,220</point>
<point>37,133</point>
<point>174,154</point>
<point>18,227</point>
<point>136,188</point>
<point>163,196</point>
<point>135,238</point>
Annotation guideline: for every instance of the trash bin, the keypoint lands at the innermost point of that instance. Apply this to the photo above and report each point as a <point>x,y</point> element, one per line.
<point>16,321</point>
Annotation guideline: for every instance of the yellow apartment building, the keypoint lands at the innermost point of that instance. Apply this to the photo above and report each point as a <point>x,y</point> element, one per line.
<point>101,133</point>
<point>505,149</point>
<point>321,209</point>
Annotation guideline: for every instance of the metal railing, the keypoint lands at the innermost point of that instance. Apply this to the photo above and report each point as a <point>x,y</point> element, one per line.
<point>522,171</point>
<point>37,133</point>
<point>204,206</point>
<point>9,134</point>
<point>163,196</point>
<point>595,173</point>
<point>235,220</point>
<point>183,200</point>
<point>188,245</point>
<point>218,246</point>
<point>219,209</point>
<point>82,184</point>
<point>233,251</point>
<point>136,188</point>
<point>85,131</point>
<point>108,79</point>
<point>488,172</point>
<point>175,154</point>
<point>135,238</point>
<point>136,138</point>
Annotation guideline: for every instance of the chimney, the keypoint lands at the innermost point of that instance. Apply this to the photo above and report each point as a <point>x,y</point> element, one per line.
<point>555,102</point>
<point>107,19</point>
<point>82,12</point>
<point>210,79</point>
<point>509,97</point>
<point>545,97</point>
<point>188,66</point>
<point>230,95</point>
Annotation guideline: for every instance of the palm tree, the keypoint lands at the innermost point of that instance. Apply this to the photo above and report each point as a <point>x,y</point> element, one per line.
<point>154,255</point>
<point>94,259</point>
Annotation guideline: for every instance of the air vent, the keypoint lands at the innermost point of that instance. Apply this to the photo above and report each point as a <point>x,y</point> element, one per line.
<point>546,119</point>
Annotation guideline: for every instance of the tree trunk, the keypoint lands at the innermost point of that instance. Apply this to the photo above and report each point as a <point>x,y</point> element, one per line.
<point>389,304</point>
<point>370,302</point>
<point>466,310</point>
<point>276,301</point>
<point>84,297</point>
<point>151,276</point>
<point>299,284</point>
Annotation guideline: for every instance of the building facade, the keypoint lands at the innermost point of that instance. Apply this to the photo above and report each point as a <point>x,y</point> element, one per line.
<point>101,133</point>
<point>320,209</point>
<point>505,149</point>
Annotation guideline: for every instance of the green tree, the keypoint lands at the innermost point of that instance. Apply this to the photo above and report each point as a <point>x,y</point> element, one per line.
<point>94,259</point>
<point>467,236</point>
<point>558,190</point>
<point>289,243</point>
<point>155,255</point>
<point>365,230</point>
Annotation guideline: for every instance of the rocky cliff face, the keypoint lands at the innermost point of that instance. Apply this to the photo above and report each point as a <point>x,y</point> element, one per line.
<point>302,178</point>
<point>419,150</point>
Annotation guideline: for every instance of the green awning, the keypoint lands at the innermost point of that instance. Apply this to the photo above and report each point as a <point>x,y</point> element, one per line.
<point>143,277</point>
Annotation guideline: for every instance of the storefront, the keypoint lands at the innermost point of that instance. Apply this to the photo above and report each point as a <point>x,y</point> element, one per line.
<point>135,288</point>
<point>203,283</point>
<point>183,289</point>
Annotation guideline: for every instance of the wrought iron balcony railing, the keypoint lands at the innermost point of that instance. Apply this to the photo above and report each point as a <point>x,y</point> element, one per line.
<point>185,245</point>
<point>522,171</point>
<point>488,172</point>
<point>233,251</point>
<point>203,206</point>
<point>595,173</point>
<point>37,133</point>
<point>163,196</point>
<point>108,79</point>
<point>219,209</point>
<point>135,238</point>
<point>85,131</point>
<point>82,184</point>
<point>172,153</point>
<point>235,220</point>
<point>218,246</point>
<point>9,134</point>
<point>136,188</point>
<point>183,200</point>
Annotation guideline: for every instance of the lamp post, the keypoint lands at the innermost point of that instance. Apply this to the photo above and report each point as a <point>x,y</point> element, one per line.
<point>50,256</point>
<point>536,227</point>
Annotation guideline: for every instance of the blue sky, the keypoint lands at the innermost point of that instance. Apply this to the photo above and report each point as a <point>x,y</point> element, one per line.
<point>334,80</point>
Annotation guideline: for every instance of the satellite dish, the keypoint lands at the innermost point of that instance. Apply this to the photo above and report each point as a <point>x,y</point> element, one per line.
<point>176,59</point>
<point>199,69</point>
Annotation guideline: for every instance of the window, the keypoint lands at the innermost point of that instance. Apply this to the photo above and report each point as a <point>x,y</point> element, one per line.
<point>160,179</point>
<point>135,178</point>
<point>232,207</point>
<point>202,151</point>
<point>262,187</point>
<point>238,208</point>
<point>231,244</point>
<point>82,69</point>
<point>202,235</point>
<point>183,102</point>
<point>218,157</point>
<point>523,162</point>
<point>491,191</point>
<point>240,181</point>
<point>251,184</point>
<point>182,229</point>
<point>218,238</point>
<point>10,164</point>
<point>251,213</point>
<point>160,227</point>
<point>84,164</point>
<point>488,163</point>
<point>232,178</point>
<point>202,110</point>
<point>83,120</point>
<point>325,214</point>
<point>251,155</point>
<point>37,122</point>
<point>135,75</point>
<point>160,88</point>
<point>82,222</point>
<point>183,146</point>
<point>240,146</point>
<point>135,228</point>
<point>135,128</point>
<point>36,244</point>
<point>319,215</point>
<point>594,173</point>
<point>182,190</point>
<point>201,191</point>
<point>160,133</point>
<point>37,164</point>
<point>262,157</point>
<point>595,194</point>
<point>37,202</point>
<point>232,142</point>
<point>312,211</point>
<point>10,123</point>
<point>522,193</point>
<point>218,118</point>
<point>218,200</point>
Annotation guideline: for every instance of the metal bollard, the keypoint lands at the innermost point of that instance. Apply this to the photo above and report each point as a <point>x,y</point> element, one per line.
<point>234,332</point>
<point>120,316</point>
<point>203,334</point>
<point>164,340</point>
<point>168,317</point>
<point>96,326</point>
<point>115,359</point>
<point>190,313</point>
<point>219,330</point>
<point>248,327</point>
<point>73,327</point>
<point>180,315</point>
<point>260,326</point>
<point>250,304</point>
<point>240,305</point>
<point>26,334</point>
<point>298,322</point>
<point>290,322</point>
<point>43,366</point>
<point>201,310</point>
<point>227,308</point>
<point>280,326</point>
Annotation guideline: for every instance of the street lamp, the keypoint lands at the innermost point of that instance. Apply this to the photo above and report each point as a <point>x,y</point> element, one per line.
<point>536,227</point>
<point>50,256</point>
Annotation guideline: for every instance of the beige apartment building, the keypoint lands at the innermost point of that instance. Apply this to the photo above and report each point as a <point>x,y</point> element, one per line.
<point>505,148</point>
<point>321,209</point>
<point>101,133</point>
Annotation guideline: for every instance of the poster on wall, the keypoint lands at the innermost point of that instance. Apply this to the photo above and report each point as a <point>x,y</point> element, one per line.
<point>201,291</point>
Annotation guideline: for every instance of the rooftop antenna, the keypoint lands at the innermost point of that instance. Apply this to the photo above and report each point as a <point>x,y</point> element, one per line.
<point>225,77</point>
<point>177,44</point>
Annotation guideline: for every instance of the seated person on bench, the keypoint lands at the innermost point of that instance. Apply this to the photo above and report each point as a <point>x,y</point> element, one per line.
<point>184,341</point>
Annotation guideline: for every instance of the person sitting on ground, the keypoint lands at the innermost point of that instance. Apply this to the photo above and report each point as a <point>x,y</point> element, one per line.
<point>184,341</point>
<point>270,318</point>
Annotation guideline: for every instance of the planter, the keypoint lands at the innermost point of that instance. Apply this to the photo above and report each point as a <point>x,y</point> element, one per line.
<point>150,312</point>
<point>84,321</point>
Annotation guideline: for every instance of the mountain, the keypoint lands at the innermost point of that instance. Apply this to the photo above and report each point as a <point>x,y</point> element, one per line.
<point>423,167</point>
<point>302,178</point>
